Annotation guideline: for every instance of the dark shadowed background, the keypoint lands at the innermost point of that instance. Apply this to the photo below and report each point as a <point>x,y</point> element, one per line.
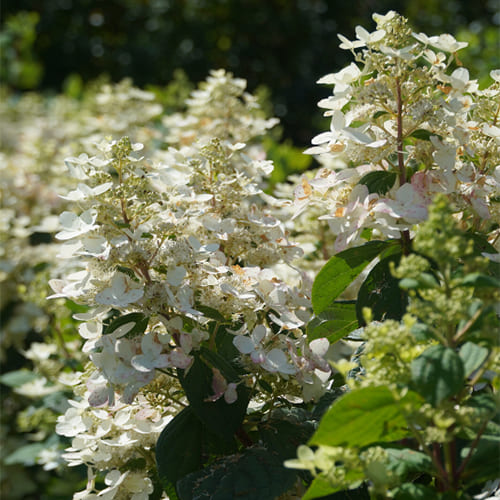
<point>285,45</point>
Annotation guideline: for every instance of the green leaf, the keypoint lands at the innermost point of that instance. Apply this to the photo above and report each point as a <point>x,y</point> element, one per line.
<point>422,332</point>
<point>411,491</point>
<point>472,356</point>
<point>438,373</point>
<point>226,349</point>
<point>320,487</point>
<point>285,430</point>
<point>255,474</point>
<point>140,320</point>
<point>326,401</point>
<point>485,405</point>
<point>380,113</point>
<point>379,181</point>
<point>381,293</point>
<point>25,455</point>
<point>334,323</point>
<point>211,313</point>
<point>422,134</point>
<point>218,416</point>
<point>339,272</point>
<point>405,461</point>
<point>362,417</point>
<point>479,280</point>
<point>485,462</point>
<point>178,449</point>
<point>18,377</point>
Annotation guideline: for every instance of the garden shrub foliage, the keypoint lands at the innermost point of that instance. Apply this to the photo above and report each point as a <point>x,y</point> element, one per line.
<point>337,337</point>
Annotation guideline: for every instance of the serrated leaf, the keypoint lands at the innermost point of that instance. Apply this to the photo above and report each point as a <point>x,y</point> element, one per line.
<point>473,356</point>
<point>178,449</point>
<point>379,181</point>
<point>339,272</point>
<point>218,416</point>
<point>381,293</point>
<point>334,323</point>
<point>362,417</point>
<point>255,474</point>
<point>437,373</point>
<point>140,320</point>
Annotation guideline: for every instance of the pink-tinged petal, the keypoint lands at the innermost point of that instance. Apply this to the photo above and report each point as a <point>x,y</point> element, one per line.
<point>244,344</point>
<point>179,359</point>
<point>219,385</point>
<point>101,396</point>
<point>231,395</point>
<point>257,357</point>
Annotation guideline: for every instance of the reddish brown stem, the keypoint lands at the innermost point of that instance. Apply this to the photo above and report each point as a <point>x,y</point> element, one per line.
<point>243,437</point>
<point>405,235</point>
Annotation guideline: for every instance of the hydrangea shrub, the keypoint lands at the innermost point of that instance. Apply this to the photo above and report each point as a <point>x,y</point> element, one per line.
<point>348,319</point>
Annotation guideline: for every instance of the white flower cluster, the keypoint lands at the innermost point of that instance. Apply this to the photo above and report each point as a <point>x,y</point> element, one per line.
<point>402,118</point>
<point>106,439</point>
<point>163,242</point>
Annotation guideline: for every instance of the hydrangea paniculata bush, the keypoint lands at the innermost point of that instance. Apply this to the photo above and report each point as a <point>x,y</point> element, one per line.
<point>213,317</point>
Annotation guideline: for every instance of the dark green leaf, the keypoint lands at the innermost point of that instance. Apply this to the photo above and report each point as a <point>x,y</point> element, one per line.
<point>473,356</point>
<point>211,313</point>
<point>226,348</point>
<point>265,386</point>
<point>362,417</point>
<point>334,323</point>
<point>485,404</point>
<point>437,373</point>
<point>379,181</point>
<point>178,449</point>
<point>381,293</point>
<point>218,416</point>
<point>378,114</point>
<point>485,462</point>
<point>422,134</point>
<point>284,431</point>
<point>140,320</point>
<point>339,272</point>
<point>255,474</point>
